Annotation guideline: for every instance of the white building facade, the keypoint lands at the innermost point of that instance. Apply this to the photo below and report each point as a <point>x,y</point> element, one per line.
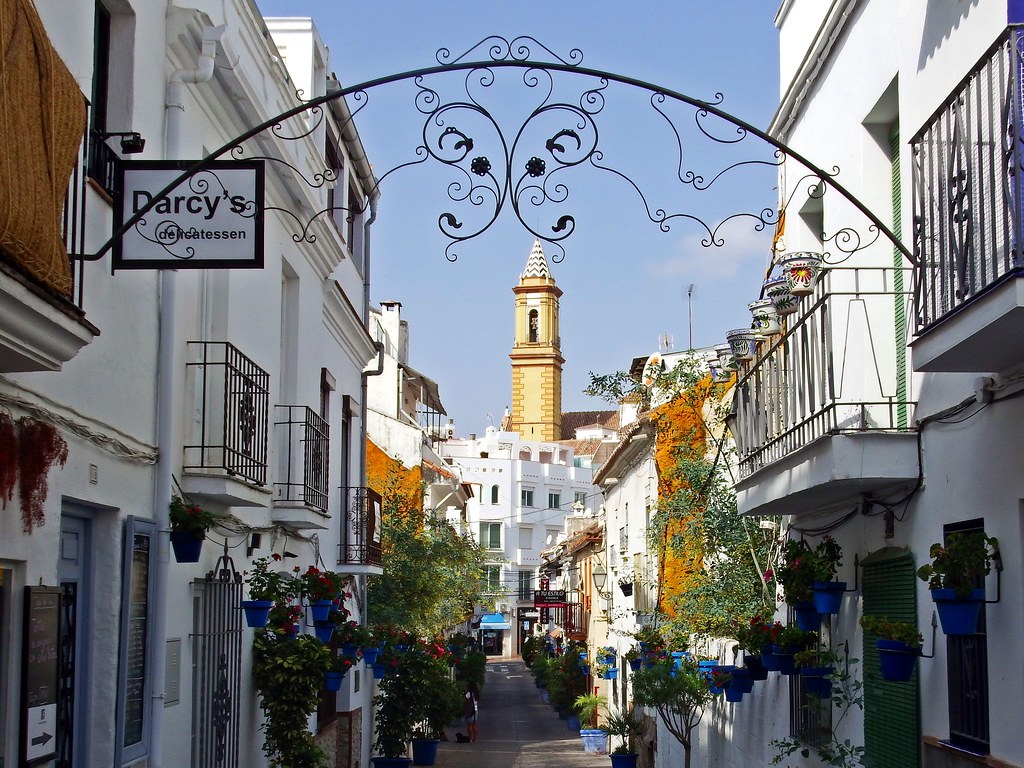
<point>522,492</point>
<point>207,383</point>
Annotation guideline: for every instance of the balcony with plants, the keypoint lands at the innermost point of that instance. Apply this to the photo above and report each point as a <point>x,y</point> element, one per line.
<point>225,455</point>
<point>969,219</point>
<point>821,414</point>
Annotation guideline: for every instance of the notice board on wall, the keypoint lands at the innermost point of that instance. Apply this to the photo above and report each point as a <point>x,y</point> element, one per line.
<point>40,673</point>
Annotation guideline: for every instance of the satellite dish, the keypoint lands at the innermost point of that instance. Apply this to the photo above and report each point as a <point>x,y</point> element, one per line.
<point>652,369</point>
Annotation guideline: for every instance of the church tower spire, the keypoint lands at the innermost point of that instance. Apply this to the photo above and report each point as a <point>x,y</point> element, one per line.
<point>536,353</point>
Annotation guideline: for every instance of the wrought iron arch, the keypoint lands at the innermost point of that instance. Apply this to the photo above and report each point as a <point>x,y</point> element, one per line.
<point>539,180</point>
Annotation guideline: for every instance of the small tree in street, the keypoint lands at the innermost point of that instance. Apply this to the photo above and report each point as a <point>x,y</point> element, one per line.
<point>678,695</point>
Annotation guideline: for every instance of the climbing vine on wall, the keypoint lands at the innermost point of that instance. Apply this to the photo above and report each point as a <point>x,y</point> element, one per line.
<point>28,450</point>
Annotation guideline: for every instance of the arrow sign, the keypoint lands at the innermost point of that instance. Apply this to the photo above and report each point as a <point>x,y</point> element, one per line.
<point>41,739</point>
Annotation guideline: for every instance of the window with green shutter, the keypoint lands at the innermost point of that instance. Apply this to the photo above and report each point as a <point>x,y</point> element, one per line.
<point>892,731</point>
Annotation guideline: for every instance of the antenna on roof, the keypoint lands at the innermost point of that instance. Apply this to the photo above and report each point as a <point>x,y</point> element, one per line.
<point>689,312</point>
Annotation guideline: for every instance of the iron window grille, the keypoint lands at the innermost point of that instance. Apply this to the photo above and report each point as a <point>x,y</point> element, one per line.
<point>232,402</point>
<point>305,452</point>
<point>361,527</point>
<point>968,186</point>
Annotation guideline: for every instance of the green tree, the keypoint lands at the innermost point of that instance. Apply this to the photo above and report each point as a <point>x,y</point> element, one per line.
<point>432,573</point>
<point>678,695</point>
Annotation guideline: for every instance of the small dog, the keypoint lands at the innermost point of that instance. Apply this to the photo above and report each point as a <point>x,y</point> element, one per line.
<point>461,738</point>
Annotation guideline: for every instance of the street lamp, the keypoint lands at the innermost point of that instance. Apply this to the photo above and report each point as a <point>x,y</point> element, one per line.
<point>600,576</point>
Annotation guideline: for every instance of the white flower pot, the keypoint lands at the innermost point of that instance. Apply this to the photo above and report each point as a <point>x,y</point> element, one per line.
<point>802,270</point>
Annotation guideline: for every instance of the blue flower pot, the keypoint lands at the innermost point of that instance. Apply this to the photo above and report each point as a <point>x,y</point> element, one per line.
<point>379,670</point>
<point>733,694</point>
<point>324,630</point>
<point>187,548</point>
<point>320,610</point>
<point>784,659</point>
<point>391,762</point>
<point>611,674</point>
<point>370,655</point>
<point>257,612</point>
<point>769,660</point>
<point>627,760</point>
<point>332,680</point>
<point>807,617</point>
<point>635,664</point>
<point>958,615</point>
<point>424,751</point>
<point>828,596</point>
<point>572,722</point>
<point>742,680</point>
<point>896,660</point>
<point>757,669</point>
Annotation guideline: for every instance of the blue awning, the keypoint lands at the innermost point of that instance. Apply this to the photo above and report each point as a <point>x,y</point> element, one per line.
<point>494,621</point>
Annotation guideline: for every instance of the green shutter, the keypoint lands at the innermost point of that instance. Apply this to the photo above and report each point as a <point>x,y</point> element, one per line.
<point>899,300</point>
<point>892,719</point>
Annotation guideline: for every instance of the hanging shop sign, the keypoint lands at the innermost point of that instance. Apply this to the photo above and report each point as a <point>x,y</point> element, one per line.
<point>212,219</point>
<point>548,598</point>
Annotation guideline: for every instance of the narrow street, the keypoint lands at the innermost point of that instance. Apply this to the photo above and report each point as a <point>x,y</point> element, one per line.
<point>516,730</point>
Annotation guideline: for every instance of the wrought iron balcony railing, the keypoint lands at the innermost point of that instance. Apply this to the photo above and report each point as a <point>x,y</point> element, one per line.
<point>969,185</point>
<point>838,368</point>
<point>571,617</point>
<point>361,527</point>
<point>304,450</point>
<point>232,402</point>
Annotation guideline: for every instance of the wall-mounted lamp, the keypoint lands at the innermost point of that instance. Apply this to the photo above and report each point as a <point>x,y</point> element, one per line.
<point>600,576</point>
<point>132,142</point>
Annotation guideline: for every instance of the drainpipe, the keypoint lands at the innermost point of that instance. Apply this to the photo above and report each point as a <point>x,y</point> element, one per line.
<point>374,196</point>
<point>168,394</point>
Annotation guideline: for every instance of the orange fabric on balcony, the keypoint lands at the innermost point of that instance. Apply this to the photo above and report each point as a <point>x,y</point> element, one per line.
<point>42,119</point>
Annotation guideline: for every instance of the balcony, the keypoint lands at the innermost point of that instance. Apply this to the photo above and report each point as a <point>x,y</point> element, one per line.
<point>572,619</point>
<point>969,220</point>
<point>360,550</point>
<point>226,454</point>
<point>821,416</point>
<point>300,497</point>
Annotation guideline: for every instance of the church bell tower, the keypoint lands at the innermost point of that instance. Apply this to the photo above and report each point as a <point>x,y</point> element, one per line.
<point>536,353</point>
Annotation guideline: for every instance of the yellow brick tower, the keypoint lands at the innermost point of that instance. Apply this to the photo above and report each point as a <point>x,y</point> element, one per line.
<point>536,354</point>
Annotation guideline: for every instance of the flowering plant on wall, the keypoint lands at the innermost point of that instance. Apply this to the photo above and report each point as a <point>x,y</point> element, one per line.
<point>189,518</point>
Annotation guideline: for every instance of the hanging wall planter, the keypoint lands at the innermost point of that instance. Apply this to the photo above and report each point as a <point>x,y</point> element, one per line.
<point>332,680</point>
<point>320,610</point>
<point>958,615</point>
<point>782,298</point>
<point>765,319</point>
<point>187,548</point>
<point>741,341</point>
<point>324,630</point>
<point>802,270</point>
<point>733,694</point>
<point>828,596</point>
<point>257,612</point>
<point>807,617</point>
<point>817,681</point>
<point>896,660</point>
<point>626,587</point>
<point>754,665</point>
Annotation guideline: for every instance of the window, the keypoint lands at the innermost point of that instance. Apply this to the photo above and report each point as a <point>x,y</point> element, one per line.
<point>534,326</point>
<point>554,500</point>
<point>491,580</point>
<point>494,494</point>
<point>967,672</point>
<point>490,535</point>
<point>526,585</point>
<point>580,497</point>
<point>526,498</point>
<point>526,538</point>
<point>810,718</point>
<point>335,200</point>
<point>624,540</point>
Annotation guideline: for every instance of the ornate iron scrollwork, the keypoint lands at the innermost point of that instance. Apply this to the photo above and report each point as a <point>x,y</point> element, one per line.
<point>527,164</point>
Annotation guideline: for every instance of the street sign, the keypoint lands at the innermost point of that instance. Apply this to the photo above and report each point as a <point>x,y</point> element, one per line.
<point>211,219</point>
<point>548,598</point>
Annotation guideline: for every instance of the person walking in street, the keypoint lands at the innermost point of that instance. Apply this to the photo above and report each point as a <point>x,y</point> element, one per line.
<point>470,709</point>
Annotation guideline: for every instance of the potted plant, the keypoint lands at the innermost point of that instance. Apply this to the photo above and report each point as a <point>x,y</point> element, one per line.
<point>628,725</point>
<point>898,644</point>
<point>341,665</point>
<point>634,658</point>
<point>289,675</point>
<point>953,576</point>
<point>589,705</point>
<point>265,587</point>
<point>678,695</point>
<point>754,636</point>
<point>353,638</point>
<point>320,589</point>
<point>796,574</point>
<point>815,666</point>
<point>828,593</point>
<point>189,524</point>
<point>425,681</point>
<point>790,640</point>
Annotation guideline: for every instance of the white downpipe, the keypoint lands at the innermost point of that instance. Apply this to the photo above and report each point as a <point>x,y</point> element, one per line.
<point>168,394</point>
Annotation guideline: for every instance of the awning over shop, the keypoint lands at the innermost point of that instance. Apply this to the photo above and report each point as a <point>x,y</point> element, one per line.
<point>494,621</point>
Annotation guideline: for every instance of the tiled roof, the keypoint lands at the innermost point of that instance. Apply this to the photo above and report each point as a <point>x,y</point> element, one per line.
<point>573,420</point>
<point>587,447</point>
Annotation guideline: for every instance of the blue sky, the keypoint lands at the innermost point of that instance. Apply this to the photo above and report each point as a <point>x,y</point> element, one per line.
<point>624,280</point>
